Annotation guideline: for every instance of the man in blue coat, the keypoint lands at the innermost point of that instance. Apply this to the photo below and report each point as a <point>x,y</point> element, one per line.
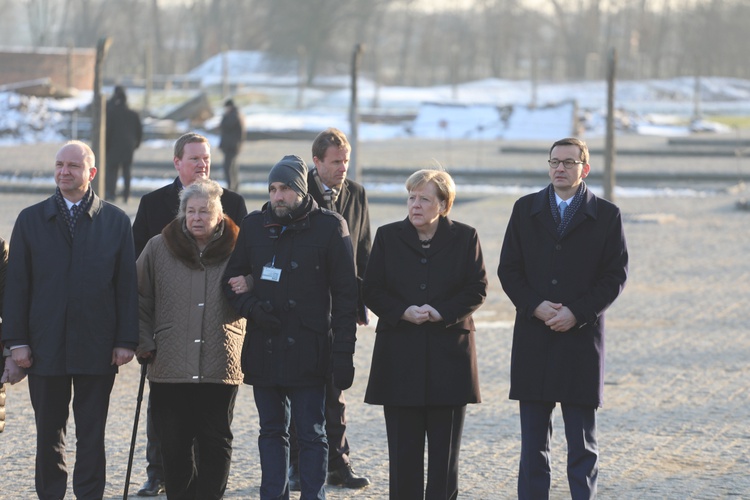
<point>563,262</point>
<point>70,318</point>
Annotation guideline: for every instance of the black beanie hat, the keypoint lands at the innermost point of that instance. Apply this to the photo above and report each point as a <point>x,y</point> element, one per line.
<point>292,171</point>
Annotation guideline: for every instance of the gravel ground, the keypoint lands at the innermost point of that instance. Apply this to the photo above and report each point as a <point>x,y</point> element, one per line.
<point>677,401</point>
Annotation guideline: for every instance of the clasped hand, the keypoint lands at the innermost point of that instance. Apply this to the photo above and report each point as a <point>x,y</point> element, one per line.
<point>556,316</point>
<point>421,314</point>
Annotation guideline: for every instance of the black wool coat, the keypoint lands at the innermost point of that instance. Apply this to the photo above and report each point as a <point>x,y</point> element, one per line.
<point>159,208</point>
<point>431,364</point>
<point>585,269</point>
<point>124,131</point>
<point>315,296</point>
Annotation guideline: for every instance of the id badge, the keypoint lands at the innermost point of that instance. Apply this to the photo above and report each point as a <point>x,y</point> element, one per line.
<point>271,274</point>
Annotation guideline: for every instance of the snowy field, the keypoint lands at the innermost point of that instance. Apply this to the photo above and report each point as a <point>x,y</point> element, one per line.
<point>484,110</point>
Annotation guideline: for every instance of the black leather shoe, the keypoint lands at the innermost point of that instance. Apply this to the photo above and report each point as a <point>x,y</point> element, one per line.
<point>152,488</point>
<point>346,477</point>
<point>294,478</point>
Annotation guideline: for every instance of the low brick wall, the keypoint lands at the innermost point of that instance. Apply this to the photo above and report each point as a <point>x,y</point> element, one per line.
<point>64,67</point>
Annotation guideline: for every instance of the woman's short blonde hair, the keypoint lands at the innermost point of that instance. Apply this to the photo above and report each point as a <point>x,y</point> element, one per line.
<point>208,189</point>
<point>446,188</point>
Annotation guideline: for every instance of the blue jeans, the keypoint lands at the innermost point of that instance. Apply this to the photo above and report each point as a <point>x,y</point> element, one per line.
<point>275,407</point>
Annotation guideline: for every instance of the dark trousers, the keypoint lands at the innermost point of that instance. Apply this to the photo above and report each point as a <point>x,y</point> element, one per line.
<point>407,428</point>
<point>154,467</point>
<point>114,163</point>
<point>185,414</point>
<point>50,397</point>
<point>231,169</point>
<point>276,405</point>
<point>338,445</point>
<point>583,455</point>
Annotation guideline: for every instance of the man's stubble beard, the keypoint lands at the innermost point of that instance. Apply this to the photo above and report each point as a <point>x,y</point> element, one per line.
<point>284,210</point>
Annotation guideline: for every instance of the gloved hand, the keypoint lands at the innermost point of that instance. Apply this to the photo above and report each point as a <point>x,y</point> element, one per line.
<point>262,315</point>
<point>343,369</point>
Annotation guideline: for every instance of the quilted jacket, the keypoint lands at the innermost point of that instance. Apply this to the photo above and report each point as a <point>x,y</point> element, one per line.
<point>184,315</point>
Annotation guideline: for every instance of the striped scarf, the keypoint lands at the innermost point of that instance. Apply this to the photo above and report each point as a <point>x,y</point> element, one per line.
<point>330,195</point>
<point>570,211</point>
<point>72,218</point>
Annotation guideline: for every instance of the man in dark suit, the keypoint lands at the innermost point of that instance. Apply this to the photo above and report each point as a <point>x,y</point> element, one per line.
<point>192,160</point>
<point>71,318</point>
<point>329,187</point>
<point>563,262</point>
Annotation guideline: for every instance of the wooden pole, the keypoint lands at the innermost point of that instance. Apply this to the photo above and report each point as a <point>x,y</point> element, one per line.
<point>354,168</point>
<point>99,119</point>
<point>148,79</point>
<point>609,147</point>
<point>224,73</point>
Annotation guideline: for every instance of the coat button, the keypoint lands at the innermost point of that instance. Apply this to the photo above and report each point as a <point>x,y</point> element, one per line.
<point>292,303</point>
<point>293,265</point>
<point>423,260</point>
<point>423,287</point>
<point>558,247</point>
<point>554,282</point>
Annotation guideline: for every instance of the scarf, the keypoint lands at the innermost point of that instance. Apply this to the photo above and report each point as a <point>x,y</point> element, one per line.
<point>330,194</point>
<point>570,211</point>
<point>72,218</point>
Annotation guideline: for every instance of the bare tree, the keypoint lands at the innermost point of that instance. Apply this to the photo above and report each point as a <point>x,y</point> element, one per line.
<point>42,16</point>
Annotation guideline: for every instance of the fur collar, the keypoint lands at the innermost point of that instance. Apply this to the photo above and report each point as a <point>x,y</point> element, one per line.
<point>183,247</point>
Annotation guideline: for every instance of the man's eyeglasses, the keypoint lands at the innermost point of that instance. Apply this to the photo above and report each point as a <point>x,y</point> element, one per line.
<point>566,163</point>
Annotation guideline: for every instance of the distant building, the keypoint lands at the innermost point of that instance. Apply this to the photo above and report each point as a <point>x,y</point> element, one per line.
<point>64,68</point>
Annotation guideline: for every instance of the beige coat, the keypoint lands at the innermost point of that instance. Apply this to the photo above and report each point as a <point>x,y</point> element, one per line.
<point>184,316</point>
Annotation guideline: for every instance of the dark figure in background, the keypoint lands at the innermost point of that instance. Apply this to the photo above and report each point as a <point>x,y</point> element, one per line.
<point>425,279</point>
<point>302,323</point>
<point>192,160</point>
<point>329,187</point>
<point>72,318</point>
<point>232,129</point>
<point>124,134</point>
<point>563,262</point>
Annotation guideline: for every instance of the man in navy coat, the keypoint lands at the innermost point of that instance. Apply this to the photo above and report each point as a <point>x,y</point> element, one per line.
<point>71,318</point>
<point>564,261</point>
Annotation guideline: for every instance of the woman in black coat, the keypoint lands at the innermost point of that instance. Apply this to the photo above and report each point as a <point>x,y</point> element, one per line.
<point>424,280</point>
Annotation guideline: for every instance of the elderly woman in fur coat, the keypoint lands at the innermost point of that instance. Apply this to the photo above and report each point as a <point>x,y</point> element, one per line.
<point>192,339</point>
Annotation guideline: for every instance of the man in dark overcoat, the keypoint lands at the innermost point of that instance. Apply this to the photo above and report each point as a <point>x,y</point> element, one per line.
<point>302,324</point>
<point>564,261</point>
<point>70,318</point>
<point>330,188</point>
<point>232,129</point>
<point>124,134</point>
<point>192,160</point>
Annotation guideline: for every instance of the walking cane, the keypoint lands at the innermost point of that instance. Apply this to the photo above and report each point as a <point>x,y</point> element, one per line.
<point>135,429</point>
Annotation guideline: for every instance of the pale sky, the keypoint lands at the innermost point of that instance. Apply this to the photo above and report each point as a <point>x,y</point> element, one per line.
<point>462,4</point>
